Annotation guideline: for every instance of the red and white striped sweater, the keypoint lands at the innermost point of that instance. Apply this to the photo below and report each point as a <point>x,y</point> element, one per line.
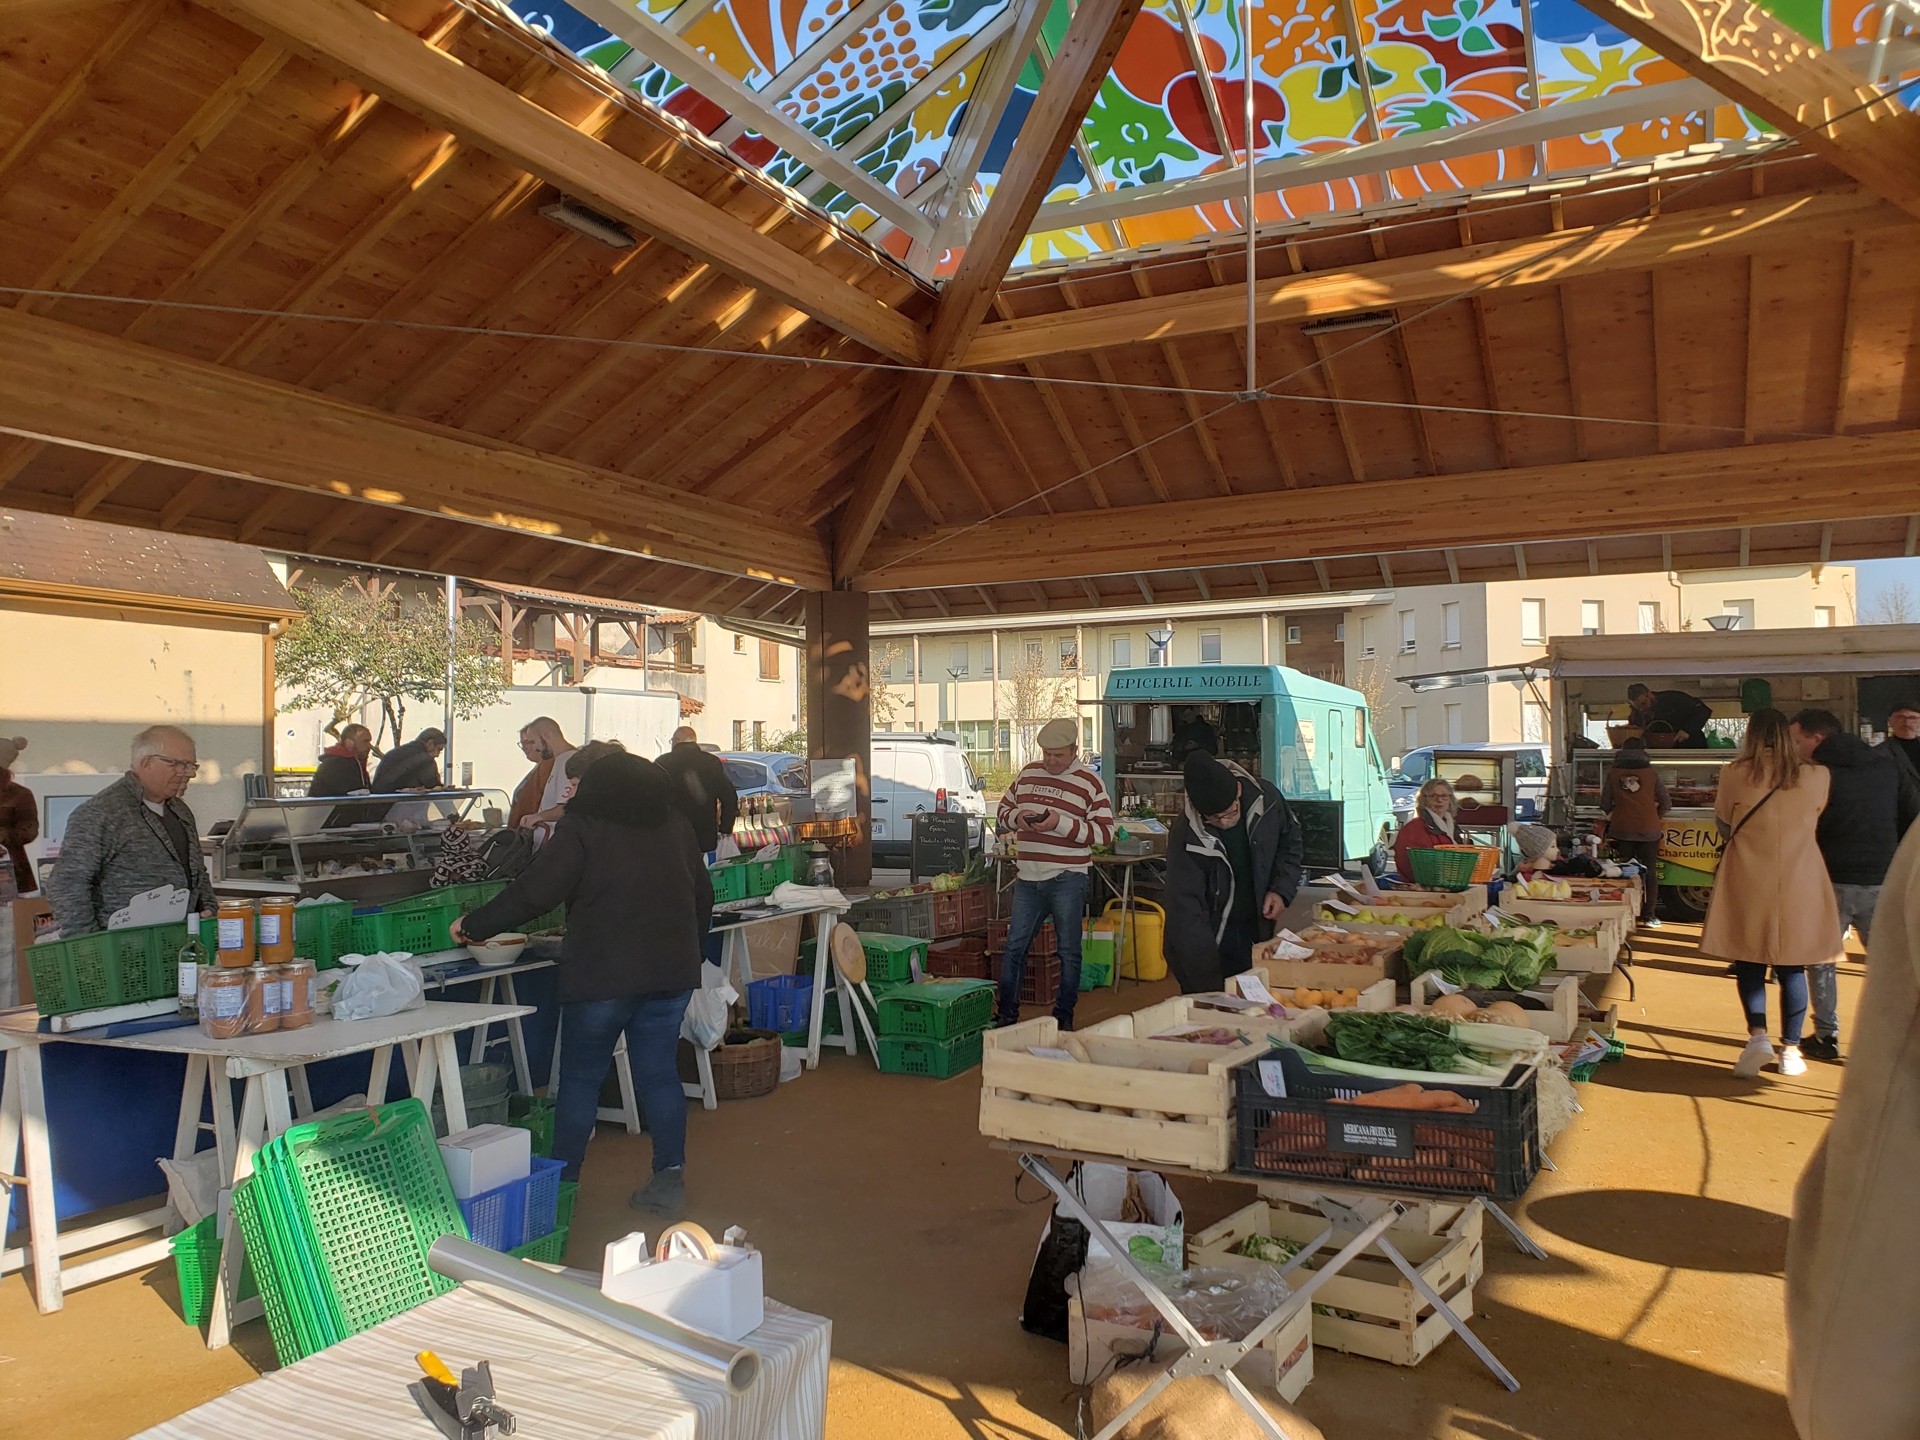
<point>1082,817</point>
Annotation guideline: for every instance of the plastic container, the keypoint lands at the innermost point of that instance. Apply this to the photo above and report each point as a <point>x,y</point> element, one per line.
<point>948,914</point>
<point>196,1263</point>
<point>1486,861</point>
<point>891,958</point>
<point>908,915</point>
<point>223,1001</point>
<point>548,1250</point>
<point>963,958</point>
<point>764,875</point>
<point>419,931</point>
<point>1045,941</point>
<point>518,1212</point>
<point>1443,869</point>
<point>918,1055</point>
<point>1040,982</point>
<point>1143,953</point>
<point>107,967</point>
<point>1495,1151</point>
<point>188,963</point>
<point>533,1113</point>
<point>273,931</point>
<point>937,1009</point>
<point>976,908</point>
<point>235,929</point>
<point>781,1002</point>
<point>729,880</point>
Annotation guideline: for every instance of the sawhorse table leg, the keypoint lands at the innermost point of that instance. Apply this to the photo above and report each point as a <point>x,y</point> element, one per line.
<point>23,1136</point>
<point>516,1037</point>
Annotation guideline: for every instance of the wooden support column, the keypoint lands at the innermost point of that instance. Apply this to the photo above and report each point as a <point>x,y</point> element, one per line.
<point>839,711</point>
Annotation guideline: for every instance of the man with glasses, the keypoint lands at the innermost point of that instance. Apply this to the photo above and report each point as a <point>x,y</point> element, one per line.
<point>134,836</point>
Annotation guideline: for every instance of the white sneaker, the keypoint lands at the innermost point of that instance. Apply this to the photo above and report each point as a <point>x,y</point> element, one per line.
<point>1790,1061</point>
<point>1653,924</point>
<point>1757,1056</point>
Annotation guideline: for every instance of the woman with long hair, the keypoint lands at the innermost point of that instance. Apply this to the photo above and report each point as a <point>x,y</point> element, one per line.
<point>1772,902</point>
<point>1432,825</point>
<point>622,859</point>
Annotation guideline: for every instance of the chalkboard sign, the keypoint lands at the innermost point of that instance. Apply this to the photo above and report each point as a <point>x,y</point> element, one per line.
<point>1323,830</point>
<point>939,842</point>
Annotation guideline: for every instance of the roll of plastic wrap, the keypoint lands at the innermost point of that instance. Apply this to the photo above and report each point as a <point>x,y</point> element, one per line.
<point>588,1313</point>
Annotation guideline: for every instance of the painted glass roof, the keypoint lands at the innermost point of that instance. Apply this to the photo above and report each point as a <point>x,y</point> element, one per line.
<point>897,115</point>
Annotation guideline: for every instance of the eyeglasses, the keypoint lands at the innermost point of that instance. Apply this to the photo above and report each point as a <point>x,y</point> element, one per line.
<point>185,767</point>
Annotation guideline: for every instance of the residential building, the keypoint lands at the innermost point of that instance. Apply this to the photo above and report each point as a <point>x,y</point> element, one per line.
<point>1474,626</point>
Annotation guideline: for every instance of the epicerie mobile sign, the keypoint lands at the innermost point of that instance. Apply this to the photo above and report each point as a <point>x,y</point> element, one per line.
<point>1167,684</point>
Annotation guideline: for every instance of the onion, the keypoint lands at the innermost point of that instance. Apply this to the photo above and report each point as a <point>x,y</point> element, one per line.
<point>1454,1007</point>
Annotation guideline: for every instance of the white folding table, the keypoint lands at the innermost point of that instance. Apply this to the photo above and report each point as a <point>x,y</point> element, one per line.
<point>272,1067</point>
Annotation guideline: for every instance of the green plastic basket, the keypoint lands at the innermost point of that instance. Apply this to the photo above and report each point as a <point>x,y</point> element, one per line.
<point>1443,869</point>
<point>937,1009</point>
<point>196,1261</point>
<point>544,924</point>
<point>548,1249</point>
<point>534,1114</point>
<point>764,875</point>
<point>420,931</point>
<point>891,958</point>
<point>108,967</point>
<point>917,1055</point>
<point>274,1299</point>
<point>563,1208</point>
<point>730,879</point>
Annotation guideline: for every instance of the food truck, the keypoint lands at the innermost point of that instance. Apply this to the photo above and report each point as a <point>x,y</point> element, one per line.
<point>1310,737</point>
<point>1859,672</point>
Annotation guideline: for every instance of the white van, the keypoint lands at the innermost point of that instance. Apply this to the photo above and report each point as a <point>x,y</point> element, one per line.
<point>920,772</point>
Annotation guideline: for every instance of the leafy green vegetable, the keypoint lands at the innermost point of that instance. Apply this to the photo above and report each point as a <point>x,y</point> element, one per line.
<point>1415,947</point>
<point>1401,1042</point>
<point>1509,960</point>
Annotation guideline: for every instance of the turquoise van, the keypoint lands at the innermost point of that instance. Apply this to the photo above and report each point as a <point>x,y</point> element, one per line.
<point>1310,737</point>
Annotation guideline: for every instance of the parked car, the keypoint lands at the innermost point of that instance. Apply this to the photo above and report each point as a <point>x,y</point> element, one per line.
<point>925,773</point>
<point>1415,768</point>
<point>757,772</point>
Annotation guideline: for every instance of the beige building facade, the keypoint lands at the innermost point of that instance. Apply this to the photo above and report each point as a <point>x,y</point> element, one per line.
<point>1438,628</point>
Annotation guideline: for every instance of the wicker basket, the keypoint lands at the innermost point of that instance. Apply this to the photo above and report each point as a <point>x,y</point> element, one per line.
<point>1444,868</point>
<point>747,1065</point>
<point>1485,868</point>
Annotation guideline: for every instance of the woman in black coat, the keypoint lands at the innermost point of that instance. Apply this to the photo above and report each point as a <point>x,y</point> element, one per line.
<point>638,900</point>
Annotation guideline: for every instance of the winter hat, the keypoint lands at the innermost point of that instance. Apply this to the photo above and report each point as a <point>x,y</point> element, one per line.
<point>10,750</point>
<point>1210,785</point>
<point>1058,734</point>
<point>1534,840</point>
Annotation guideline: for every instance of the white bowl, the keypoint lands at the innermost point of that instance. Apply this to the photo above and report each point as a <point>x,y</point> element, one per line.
<point>500,950</point>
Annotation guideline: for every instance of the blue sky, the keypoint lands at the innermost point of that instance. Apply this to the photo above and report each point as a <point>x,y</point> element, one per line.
<point>1876,575</point>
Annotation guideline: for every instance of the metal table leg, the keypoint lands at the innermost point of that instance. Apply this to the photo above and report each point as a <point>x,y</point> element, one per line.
<point>1520,1237</point>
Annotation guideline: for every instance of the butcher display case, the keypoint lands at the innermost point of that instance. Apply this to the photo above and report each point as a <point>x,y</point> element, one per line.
<point>357,847</point>
<point>1692,778</point>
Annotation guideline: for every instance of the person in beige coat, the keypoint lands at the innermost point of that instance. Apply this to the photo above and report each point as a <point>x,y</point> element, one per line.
<point>1772,902</point>
<point>1853,1310</point>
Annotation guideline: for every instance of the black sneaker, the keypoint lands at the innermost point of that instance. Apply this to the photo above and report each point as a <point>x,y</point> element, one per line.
<point>1821,1047</point>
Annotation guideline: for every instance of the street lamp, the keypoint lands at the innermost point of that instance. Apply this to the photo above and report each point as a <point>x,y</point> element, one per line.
<point>954,672</point>
<point>1161,640</point>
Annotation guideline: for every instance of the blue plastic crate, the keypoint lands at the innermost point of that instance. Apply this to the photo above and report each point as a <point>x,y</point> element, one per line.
<point>784,1002</point>
<point>517,1213</point>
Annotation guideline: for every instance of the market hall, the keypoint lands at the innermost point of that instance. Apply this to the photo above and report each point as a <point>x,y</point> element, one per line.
<point>818,318</point>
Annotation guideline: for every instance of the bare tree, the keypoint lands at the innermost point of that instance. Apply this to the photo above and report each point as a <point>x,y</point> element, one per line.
<point>1376,686</point>
<point>883,701</point>
<point>1894,605</point>
<point>1030,697</point>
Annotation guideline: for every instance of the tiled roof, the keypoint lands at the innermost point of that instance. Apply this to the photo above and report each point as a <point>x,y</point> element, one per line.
<point>49,550</point>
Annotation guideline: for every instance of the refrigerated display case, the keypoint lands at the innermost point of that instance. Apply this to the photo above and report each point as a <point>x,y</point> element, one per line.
<point>358,847</point>
<point>1690,845</point>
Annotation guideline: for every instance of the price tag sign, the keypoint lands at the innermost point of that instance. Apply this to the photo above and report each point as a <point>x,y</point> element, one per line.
<point>1273,1079</point>
<point>1049,1052</point>
<point>1341,906</point>
<point>1251,987</point>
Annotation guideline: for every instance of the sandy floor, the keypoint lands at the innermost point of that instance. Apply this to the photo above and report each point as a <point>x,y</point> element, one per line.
<point>877,1203</point>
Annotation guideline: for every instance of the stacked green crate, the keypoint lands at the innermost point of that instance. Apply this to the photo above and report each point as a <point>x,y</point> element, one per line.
<point>107,967</point>
<point>934,1027</point>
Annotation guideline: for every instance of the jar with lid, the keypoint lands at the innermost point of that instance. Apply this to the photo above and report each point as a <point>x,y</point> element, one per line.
<point>275,930</point>
<point>298,980</point>
<point>188,962</point>
<point>222,993</point>
<point>235,926</point>
<point>263,999</point>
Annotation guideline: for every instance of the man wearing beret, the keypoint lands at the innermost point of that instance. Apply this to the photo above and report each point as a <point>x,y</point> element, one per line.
<point>1233,867</point>
<point>1057,811</point>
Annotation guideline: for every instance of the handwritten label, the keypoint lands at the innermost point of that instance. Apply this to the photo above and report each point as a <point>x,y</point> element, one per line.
<point>1273,1079</point>
<point>1251,987</point>
<point>1049,1052</point>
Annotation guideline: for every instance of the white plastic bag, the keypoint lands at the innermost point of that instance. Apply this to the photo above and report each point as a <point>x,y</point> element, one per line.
<point>705,1024</point>
<point>382,984</point>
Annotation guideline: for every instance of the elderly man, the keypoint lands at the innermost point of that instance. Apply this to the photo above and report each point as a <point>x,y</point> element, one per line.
<point>343,767</point>
<point>1058,811</point>
<point>412,766</point>
<point>701,788</point>
<point>1903,736</point>
<point>134,836</point>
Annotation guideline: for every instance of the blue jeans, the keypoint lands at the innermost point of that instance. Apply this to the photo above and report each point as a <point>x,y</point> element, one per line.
<point>1064,897</point>
<point>1751,978</point>
<point>1856,904</point>
<point>590,1030</point>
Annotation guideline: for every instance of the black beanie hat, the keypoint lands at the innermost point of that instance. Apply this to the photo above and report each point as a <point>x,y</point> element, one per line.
<point>1210,785</point>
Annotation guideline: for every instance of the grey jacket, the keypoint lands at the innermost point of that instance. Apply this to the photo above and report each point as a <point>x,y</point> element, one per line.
<point>114,848</point>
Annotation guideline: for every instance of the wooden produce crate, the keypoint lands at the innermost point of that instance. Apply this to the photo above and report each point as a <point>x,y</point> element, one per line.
<point>1321,975</point>
<point>1180,1011</point>
<point>1587,954</point>
<point>1369,1308</point>
<point>1474,898</point>
<point>1560,992</point>
<point>1575,913</point>
<point>1424,1217</point>
<point>1133,1111</point>
<point>1283,1361</point>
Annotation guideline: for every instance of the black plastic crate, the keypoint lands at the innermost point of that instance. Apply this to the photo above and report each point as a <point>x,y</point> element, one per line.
<point>1493,1152</point>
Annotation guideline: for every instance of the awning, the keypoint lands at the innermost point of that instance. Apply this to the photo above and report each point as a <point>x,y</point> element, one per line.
<point>1743,666</point>
<point>1454,679</point>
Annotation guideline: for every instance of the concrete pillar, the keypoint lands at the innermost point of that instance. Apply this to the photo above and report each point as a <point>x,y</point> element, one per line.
<point>839,711</point>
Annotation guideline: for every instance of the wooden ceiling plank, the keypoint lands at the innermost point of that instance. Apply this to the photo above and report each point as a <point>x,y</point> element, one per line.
<point>696,471</point>
<point>352,40</point>
<point>959,463</point>
<point>1762,224</point>
<point>179,506</point>
<point>1086,54</point>
<point>1801,90</point>
<point>1348,441</point>
<point>1402,360</point>
<point>64,383</point>
<point>397,534</point>
<point>1843,380</point>
<point>1266,410</point>
<point>1502,443</point>
<point>1576,389</point>
<point>19,453</point>
<point>254,524</point>
<point>51,116</point>
<point>921,494</point>
<point>1088,471</point>
<point>983,392</point>
<point>107,479</point>
<point>1791,482</point>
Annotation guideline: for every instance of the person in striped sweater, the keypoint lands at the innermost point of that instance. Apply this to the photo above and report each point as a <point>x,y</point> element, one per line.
<point>1057,810</point>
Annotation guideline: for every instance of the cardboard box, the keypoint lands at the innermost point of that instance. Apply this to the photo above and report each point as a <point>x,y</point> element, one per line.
<point>485,1157</point>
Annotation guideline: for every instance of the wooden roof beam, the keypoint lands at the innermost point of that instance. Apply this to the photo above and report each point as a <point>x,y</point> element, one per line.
<point>60,382</point>
<point>1770,222</point>
<point>1790,483</point>
<point>353,41</point>
<point>1085,56</point>
<point>1753,60</point>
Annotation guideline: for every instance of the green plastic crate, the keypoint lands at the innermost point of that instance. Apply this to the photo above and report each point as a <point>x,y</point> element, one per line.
<point>729,879</point>
<point>764,875</point>
<point>891,958</point>
<point>563,1208</point>
<point>420,931</point>
<point>543,924</point>
<point>937,1009</point>
<point>548,1249</point>
<point>196,1261</point>
<point>534,1114</point>
<point>287,1343</point>
<point>108,967</point>
<point>918,1055</point>
<point>466,897</point>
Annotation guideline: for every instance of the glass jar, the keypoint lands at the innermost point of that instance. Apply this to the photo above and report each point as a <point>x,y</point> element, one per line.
<point>222,993</point>
<point>275,930</point>
<point>298,982</point>
<point>263,999</point>
<point>236,926</point>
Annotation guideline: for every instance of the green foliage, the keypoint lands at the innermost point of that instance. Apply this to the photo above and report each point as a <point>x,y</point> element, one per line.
<point>1510,960</point>
<point>793,742</point>
<point>1396,1041</point>
<point>370,645</point>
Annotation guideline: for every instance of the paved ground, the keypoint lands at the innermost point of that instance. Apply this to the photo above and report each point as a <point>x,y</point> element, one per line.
<point>1657,1315</point>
